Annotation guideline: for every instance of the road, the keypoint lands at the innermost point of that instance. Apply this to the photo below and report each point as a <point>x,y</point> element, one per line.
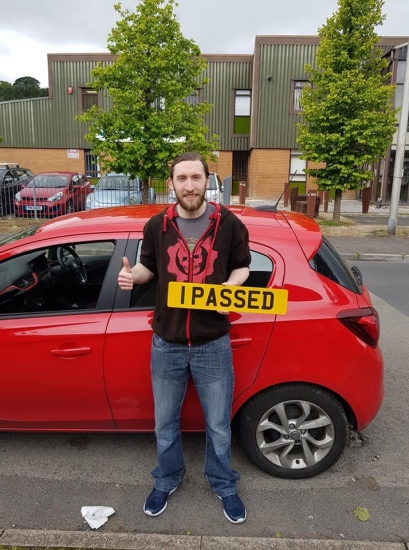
<point>46,478</point>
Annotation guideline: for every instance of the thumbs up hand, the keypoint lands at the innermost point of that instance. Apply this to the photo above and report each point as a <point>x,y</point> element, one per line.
<point>125,278</point>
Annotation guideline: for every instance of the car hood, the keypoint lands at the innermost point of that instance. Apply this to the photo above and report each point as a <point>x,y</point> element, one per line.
<point>40,192</point>
<point>113,197</point>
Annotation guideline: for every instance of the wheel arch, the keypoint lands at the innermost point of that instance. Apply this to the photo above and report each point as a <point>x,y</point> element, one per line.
<point>352,421</point>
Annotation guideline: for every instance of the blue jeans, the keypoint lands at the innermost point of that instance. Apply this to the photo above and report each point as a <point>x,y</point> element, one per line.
<point>211,368</point>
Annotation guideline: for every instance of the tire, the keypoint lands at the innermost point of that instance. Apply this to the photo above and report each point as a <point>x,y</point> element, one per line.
<point>272,433</point>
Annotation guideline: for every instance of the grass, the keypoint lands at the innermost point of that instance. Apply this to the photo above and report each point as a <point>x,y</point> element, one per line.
<point>14,225</point>
<point>331,223</point>
<point>400,232</point>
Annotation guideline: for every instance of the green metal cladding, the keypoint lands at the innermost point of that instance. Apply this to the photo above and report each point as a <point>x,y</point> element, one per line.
<point>285,63</point>
<point>225,77</point>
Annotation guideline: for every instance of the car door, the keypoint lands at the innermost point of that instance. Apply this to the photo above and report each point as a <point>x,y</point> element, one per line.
<point>52,339</point>
<point>128,344</point>
<point>84,189</point>
<point>8,187</point>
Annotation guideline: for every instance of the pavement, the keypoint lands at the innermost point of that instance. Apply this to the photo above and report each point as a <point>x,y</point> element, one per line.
<point>351,248</point>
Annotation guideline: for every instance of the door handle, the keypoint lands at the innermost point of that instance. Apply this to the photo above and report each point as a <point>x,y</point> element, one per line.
<point>239,342</point>
<point>69,353</point>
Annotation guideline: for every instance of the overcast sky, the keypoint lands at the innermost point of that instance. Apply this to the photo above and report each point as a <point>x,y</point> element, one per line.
<point>30,29</point>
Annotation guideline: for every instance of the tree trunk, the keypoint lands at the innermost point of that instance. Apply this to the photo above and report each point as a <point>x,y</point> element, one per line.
<point>336,217</point>
<point>145,190</point>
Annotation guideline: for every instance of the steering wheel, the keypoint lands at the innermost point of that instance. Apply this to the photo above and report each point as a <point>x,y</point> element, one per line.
<point>72,264</point>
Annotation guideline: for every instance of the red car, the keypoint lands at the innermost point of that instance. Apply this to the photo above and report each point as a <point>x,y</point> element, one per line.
<point>52,194</point>
<point>76,348</point>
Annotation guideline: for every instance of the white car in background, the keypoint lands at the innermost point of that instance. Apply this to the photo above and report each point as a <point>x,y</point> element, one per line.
<point>214,193</point>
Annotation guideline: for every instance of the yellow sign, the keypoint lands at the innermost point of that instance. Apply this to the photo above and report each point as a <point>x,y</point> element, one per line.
<point>228,298</point>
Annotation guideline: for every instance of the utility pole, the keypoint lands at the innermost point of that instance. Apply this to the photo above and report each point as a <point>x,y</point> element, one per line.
<point>400,152</point>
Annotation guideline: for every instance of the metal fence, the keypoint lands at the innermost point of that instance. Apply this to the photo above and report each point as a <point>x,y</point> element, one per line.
<point>36,202</point>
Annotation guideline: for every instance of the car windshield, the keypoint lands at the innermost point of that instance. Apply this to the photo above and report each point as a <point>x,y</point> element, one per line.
<point>117,183</point>
<point>48,181</point>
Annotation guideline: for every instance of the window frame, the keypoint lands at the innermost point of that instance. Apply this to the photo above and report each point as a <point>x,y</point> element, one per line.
<point>293,90</point>
<point>82,91</point>
<point>235,116</point>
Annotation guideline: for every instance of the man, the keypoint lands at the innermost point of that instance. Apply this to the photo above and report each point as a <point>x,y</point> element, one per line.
<point>195,241</point>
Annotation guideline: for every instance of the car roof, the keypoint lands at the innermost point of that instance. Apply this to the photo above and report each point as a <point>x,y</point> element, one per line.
<point>57,172</point>
<point>133,218</point>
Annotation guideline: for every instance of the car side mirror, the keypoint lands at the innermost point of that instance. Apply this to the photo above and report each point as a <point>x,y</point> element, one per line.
<point>221,189</point>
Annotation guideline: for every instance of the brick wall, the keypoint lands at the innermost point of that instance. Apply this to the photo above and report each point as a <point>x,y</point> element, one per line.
<point>224,164</point>
<point>268,173</point>
<point>311,182</point>
<point>43,160</point>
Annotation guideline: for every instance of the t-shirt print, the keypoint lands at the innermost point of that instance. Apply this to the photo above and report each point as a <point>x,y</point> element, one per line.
<point>203,257</point>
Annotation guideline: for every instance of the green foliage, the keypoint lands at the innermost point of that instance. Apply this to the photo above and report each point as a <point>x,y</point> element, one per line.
<point>348,117</point>
<point>156,68</point>
<point>25,87</point>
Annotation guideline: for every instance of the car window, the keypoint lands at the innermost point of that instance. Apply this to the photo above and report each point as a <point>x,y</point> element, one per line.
<point>23,175</point>
<point>328,262</point>
<point>261,271</point>
<point>8,178</point>
<point>55,279</point>
<point>117,183</point>
<point>48,181</point>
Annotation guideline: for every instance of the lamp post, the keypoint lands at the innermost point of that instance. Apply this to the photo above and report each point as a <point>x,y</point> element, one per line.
<point>400,152</point>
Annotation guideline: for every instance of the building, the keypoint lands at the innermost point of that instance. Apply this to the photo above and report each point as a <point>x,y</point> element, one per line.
<point>256,109</point>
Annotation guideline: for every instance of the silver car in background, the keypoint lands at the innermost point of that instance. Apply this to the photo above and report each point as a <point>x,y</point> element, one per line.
<point>214,192</point>
<point>117,190</point>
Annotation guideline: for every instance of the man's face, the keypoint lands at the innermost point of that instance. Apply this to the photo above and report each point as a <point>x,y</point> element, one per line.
<point>189,183</point>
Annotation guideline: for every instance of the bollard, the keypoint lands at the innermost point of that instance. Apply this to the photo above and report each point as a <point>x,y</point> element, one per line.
<point>311,202</point>
<point>242,192</point>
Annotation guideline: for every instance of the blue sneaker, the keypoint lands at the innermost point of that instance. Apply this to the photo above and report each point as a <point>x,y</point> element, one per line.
<point>156,502</point>
<point>233,508</point>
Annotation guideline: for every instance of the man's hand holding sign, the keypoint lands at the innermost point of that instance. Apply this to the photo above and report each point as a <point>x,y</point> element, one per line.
<point>228,298</point>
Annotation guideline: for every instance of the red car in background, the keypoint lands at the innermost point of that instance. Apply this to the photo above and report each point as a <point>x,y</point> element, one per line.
<point>51,194</point>
<point>76,348</point>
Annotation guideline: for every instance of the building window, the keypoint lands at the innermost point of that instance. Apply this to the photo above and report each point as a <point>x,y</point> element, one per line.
<point>296,89</point>
<point>242,108</point>
<point>88,98</point>
<point>92,167</point>
<point>297,166</point>
<point>194,98</point>
<point>158,104</point>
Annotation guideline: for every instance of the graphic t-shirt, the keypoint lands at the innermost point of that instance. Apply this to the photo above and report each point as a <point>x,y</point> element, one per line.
<point>192,229</point>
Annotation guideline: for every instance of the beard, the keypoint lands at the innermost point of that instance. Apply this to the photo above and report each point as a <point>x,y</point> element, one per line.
<point>191,204</point>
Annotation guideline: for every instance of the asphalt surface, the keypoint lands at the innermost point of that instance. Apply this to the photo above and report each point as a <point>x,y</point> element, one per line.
<point>355,249</point>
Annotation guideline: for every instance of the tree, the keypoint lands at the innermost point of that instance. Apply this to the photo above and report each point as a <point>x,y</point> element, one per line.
<point>348,117</point>
<point>25,87</point>
<point>6,91</point>
<point>149,121</point>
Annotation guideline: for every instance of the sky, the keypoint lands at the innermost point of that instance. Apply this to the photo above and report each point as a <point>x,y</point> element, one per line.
<point>31,29</point>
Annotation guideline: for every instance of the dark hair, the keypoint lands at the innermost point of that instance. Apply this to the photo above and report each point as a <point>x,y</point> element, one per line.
<point>191,155</point>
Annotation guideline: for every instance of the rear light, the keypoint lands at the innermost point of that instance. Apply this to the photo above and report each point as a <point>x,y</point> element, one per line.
<point>364,323</point>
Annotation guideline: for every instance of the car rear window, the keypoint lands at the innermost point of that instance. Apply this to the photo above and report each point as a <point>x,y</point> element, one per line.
<point>328,262</point>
